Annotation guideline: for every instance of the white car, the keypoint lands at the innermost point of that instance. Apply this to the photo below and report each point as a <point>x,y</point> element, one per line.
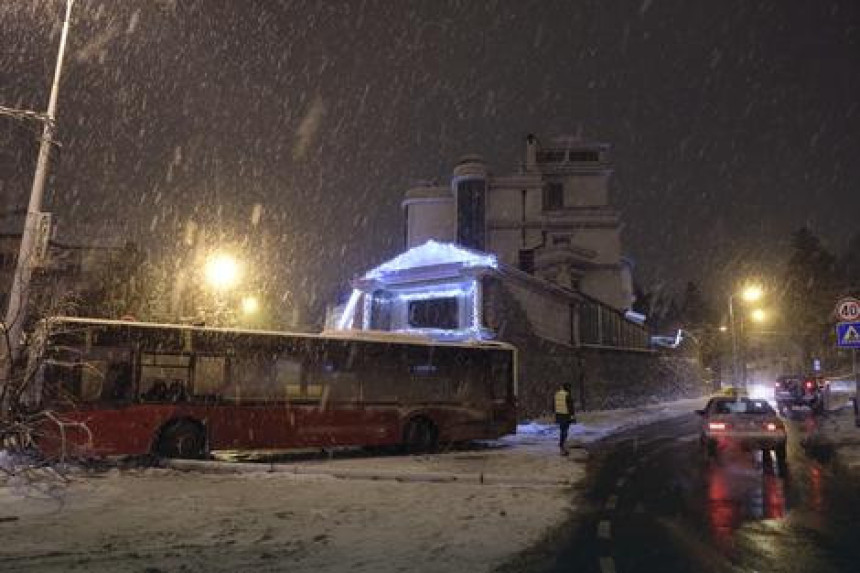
<point>744,423</point>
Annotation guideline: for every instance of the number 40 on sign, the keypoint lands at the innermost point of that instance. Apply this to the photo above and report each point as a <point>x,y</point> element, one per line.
<point>848,309</point>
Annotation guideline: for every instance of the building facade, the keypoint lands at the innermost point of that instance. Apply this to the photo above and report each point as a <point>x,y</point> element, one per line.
<point>533,259</point>
<point>553,219</point>
<point>66,275</point>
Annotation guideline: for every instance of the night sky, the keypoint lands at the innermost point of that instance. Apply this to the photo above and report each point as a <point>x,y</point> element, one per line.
<point>733,122</point>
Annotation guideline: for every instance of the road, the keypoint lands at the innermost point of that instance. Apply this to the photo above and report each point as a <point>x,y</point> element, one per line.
<point>654,503</point>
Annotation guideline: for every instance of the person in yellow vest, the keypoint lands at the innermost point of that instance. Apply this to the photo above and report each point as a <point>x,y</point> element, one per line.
<point>564,415</point>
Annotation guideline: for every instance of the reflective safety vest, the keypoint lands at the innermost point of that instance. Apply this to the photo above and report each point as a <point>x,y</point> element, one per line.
<point>561,402</point>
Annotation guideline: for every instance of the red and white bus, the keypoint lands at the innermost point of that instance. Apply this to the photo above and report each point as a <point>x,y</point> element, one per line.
<point>132,388</point>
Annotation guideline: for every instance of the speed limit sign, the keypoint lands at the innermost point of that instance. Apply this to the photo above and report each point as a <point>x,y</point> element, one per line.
<point>848,310</point>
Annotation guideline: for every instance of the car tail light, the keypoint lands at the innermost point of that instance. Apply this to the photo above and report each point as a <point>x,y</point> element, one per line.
<point>771,427</point>
<point>717,425</point>
<point>809,384</point>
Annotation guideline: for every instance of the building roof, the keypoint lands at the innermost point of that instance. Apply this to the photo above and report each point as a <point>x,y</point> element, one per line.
<point>434,253</point>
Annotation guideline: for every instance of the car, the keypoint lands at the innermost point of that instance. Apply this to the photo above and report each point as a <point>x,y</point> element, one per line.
<point>794,391</point>
<point>744,423</point>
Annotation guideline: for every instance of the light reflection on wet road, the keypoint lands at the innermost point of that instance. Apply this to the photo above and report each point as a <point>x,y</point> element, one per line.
<point>656,503</point>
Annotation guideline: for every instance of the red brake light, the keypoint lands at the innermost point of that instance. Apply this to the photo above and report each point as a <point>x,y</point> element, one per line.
<point>809,384</point>
<point>770,427</point>
<point>717,426</point>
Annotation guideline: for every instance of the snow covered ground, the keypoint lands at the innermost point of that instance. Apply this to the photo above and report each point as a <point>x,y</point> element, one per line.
<point>169,520</point>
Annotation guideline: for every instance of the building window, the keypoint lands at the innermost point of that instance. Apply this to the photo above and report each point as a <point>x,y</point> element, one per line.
<point>434,313</point>
<point>380,310</point>
<point>584,156</point>
<point>553,196</point>
<point>550,156</point>
<point>527,261</point>
<point>470,213</point>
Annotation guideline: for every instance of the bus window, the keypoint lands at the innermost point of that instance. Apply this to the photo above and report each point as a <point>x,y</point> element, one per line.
<point>332,374</point>
<point>502,376</point>
<point>430,377</point>
<point>209,375</point>
<point>164,377</point>
<point>383,370</point>
<point>288,373</point>
<point>104,374</point>
<point>92,380</point>
<point>257,377</point>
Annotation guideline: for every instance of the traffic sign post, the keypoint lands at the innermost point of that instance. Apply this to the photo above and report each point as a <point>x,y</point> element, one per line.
<point>848,336</point>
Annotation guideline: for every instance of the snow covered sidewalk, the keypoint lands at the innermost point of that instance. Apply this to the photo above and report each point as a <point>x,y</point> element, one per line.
<point>315,520</point>
<point>838,432</point>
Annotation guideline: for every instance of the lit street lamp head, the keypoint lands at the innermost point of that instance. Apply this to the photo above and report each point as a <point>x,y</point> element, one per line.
<point>250,305</point>
<point>222,271</point>
<point>758,315</point>
<point>752,293</point>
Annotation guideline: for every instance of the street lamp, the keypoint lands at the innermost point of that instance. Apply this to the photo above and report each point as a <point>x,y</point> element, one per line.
<point>758,315</point>
<point>19,292</point>
<point>750,293</point>
<point>250,305</point>
<point>222,271</point>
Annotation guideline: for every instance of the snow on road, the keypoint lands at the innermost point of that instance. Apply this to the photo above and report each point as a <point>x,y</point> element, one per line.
<point>166,520</point>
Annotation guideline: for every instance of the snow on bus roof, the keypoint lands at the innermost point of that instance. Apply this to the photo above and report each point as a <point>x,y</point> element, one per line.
<point>370,336</point>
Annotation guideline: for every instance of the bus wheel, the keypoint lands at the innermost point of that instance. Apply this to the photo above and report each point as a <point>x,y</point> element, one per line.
<point>420,435</point>
<point>183,439</point>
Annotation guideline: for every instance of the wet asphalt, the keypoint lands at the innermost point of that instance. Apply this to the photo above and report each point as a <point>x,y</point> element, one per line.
<point>654,502</point>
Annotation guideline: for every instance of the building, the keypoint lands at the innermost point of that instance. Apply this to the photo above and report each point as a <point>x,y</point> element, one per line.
<point>449,292</point>
<point>533,259</point>
<point>553,219</point>
<point>66,274</point>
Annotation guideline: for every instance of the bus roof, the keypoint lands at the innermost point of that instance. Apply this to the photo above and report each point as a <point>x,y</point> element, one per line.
<point>363,335</point>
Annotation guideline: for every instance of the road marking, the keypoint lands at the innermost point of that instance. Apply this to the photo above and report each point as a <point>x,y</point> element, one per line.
<point>621,481</point>
<point>612,502</point>
<point>607,565</point>
<point>630,470</point>
<point>604,529</point>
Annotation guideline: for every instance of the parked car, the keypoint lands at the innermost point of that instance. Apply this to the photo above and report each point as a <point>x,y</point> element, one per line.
<point>743,423</point>
<point>794,391</point>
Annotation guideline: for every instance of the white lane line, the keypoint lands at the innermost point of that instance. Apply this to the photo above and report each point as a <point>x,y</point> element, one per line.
<point>607,565</point>
<point>612,502</point>
<point>604,529</point>
<point>621,481</point>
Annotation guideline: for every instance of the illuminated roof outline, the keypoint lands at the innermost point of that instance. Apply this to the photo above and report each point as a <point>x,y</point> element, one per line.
<point>433,253</point>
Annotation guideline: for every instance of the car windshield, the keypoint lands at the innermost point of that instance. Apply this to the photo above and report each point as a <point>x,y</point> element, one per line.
<point>742,406</point>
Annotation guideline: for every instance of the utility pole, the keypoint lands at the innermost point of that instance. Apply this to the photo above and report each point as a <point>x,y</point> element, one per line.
<point>33,226</point>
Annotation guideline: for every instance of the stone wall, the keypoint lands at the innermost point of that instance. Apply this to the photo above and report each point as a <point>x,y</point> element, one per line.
<point>601,378</point>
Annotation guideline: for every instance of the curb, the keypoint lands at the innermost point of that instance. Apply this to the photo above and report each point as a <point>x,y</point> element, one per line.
<point>218,467</point>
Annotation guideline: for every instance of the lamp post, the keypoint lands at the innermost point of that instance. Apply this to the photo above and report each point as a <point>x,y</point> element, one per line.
<point>750,293</point>
<point>35,220</point>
